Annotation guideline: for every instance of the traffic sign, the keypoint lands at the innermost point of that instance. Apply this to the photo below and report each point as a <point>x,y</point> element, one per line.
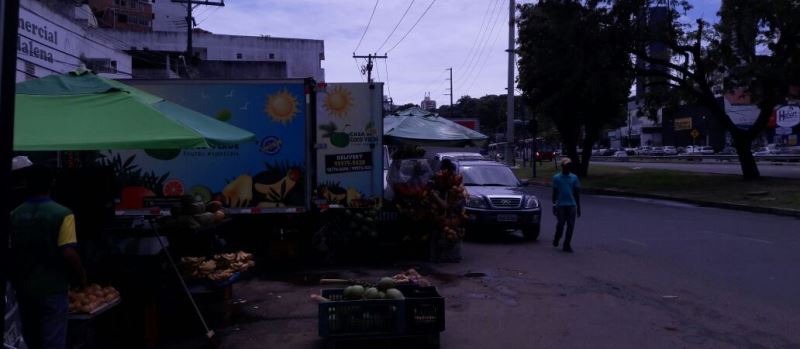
<point>695,133</point>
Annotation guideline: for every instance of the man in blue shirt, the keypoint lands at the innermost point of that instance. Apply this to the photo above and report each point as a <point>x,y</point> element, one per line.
<point>566,202</point>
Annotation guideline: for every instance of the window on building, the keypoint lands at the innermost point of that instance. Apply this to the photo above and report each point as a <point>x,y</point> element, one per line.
<point>271,56</point>
<point>238,56</point>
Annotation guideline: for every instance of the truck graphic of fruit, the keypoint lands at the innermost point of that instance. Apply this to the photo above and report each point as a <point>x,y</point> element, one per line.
<point>337,138</point>
<point>239,192</point>
<point>173,187</point>
<point>201,192</point>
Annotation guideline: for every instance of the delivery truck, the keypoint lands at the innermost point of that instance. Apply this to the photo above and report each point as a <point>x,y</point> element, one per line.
<point>317,145</point>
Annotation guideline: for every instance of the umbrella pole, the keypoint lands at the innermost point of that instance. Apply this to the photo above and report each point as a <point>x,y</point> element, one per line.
<point>209,332</point>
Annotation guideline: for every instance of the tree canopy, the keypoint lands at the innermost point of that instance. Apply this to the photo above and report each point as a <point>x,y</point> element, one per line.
<point>574,70</point>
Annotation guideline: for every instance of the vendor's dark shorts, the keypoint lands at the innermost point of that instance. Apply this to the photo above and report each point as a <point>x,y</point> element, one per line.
<point>44,321</point>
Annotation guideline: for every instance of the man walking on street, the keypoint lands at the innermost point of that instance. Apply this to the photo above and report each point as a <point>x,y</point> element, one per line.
<point>566,203</point>
<point>43,256</point>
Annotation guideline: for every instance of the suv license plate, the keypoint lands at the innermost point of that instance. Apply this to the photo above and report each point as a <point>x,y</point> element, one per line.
<point>506,218</point>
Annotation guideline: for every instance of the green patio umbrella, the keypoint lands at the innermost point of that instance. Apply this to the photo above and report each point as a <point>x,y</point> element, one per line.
<point>83,111</point>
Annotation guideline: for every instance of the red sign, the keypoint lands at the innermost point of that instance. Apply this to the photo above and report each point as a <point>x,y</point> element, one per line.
<point>468,123</point>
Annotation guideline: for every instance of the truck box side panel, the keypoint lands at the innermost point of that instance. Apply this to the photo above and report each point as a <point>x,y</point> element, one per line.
<point>264,175</point>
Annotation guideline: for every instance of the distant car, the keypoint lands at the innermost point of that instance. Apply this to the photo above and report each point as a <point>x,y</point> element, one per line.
<point>497,199</point>
<point>681,150</point>
<point>728,151</point>
<point>545,155</point>
<point>607,152</point>
<point>643,151</point>
<point>457,156</point>
<point>669,151</point>
<point>767,152</point>
<point>620,154</point>
<point>656,151</point>
<point>630,151</point>
<point>706,150</point>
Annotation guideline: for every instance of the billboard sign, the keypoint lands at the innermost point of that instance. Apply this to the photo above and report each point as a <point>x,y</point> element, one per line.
<point>788,116</point>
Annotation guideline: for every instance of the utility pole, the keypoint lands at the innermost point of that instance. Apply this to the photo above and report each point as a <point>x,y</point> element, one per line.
<point>510,100</point>
<point>9,17</point>
<point>369,66</point>
<point>190,23</point>
<point>451,90</point>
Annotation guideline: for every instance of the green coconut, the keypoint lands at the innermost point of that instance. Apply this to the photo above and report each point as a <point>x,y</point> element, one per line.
<point>386,283</point>
<point>394,293</point>
<point>354,292</point>
<point>372,293</point>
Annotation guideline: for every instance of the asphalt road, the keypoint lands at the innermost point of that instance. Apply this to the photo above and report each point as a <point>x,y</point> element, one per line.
<point>645,274</point>
<point>767,170</point>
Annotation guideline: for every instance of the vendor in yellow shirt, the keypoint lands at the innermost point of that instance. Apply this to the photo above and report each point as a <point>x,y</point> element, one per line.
<point>43,256</point>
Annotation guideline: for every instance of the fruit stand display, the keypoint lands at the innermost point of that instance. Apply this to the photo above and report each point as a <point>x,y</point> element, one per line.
<point>92,300</point>
<point>432,203</point>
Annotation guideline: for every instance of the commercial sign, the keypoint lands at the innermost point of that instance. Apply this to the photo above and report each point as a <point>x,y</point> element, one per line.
<point>783,131</point>
<point>683,124</point>
<point>52,44</point>
<point>740,109</point>
<point>788,116</point>
<point>340,163</point>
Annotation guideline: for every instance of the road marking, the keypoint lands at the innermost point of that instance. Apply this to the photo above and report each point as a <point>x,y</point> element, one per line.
<point>634,242</point>
<point>757,240</point>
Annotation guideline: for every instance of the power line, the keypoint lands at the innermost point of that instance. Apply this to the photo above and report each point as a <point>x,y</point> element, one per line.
<point>395,27</point>
<point>484,44</point>
<point>367,27</point>
<point>483,65</point>
<point>358,69</point>
<point>484,26</point>
<point>413,26</point>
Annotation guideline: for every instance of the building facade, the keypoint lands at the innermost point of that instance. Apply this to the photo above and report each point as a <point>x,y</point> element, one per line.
<point>428,103</point>
<point>55,38</point>
<point>121,39</point>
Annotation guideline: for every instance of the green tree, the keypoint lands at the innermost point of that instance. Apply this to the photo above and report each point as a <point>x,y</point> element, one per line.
<point>754,48</point>
<point>573,70</point>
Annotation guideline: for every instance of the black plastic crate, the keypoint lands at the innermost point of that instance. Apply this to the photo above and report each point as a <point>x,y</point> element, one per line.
<point>346,318</point>
<point>421,312</point>
<point>424,309</point>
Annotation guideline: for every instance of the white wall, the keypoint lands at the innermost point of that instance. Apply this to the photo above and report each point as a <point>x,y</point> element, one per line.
<point>49,43</point>
<point>303,57</point>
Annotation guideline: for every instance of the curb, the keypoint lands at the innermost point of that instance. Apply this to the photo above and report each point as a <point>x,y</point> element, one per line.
<point>724,205</point>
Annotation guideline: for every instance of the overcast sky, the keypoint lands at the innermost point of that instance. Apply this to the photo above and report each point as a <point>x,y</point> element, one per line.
<point>468,35</point>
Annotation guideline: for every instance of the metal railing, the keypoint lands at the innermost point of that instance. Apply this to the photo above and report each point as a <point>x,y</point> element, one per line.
<point>691,158</point>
